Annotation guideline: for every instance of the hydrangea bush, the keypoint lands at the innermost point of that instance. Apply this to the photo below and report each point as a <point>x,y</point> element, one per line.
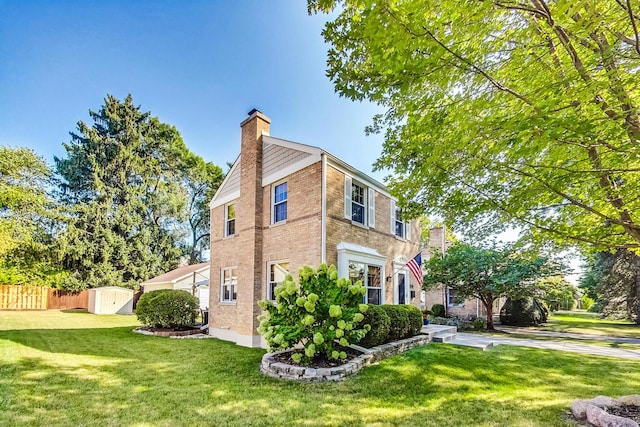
<point>317,318</point>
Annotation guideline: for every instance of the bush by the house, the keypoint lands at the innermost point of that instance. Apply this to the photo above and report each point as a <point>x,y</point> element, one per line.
<point>400,326</point>
<point>437,310</point>
<point>323,315</point>
<point>167,308</point>
<point>376,317</point>
<point>522,312</point>
<point>415,319</point>
<point>479,324</point>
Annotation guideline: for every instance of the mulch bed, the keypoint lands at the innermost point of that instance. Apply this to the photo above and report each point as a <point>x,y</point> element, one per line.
<point>319,362</point>
<point>627,411</point>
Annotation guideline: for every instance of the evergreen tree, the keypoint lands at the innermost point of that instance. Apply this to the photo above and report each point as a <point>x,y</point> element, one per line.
<point>124,181</point>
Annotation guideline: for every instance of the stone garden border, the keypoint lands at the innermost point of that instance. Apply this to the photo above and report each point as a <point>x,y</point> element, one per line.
<point>271,367</point>
<point>592,410</point>
<point>168,333</point>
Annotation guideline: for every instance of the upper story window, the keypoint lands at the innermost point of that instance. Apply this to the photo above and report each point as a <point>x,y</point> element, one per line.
<point>399,224</point>
<point>276,274</point>
<point>358,200</point>
<point>399,227</point>
<point>229,220</point>
<point>280,196</point>
<point>359,203</point>
<point>229,284</point>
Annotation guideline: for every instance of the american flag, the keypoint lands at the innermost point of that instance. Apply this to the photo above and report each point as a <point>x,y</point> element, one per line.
<point>415,266</point>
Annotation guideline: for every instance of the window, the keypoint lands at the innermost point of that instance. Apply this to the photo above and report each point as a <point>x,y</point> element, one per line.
<point>276,271</point>
<point>399,227</point>
<point>229,220</point>
<point>229,279</point>
<point>358,201</point>
<point>280,202</point>
<point>399,224</point>
<point>452,298</point>
<point>371,281</point>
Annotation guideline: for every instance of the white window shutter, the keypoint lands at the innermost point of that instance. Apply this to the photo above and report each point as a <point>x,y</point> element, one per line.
<point>393,217</point>
<point>408,230</point>
<point>372,207</point>
<point>347,197</point>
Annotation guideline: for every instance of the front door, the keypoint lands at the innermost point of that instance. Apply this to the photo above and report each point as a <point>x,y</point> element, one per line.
<point>402,288</point>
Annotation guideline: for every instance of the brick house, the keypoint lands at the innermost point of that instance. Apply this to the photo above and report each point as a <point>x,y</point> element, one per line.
<point>284,205</point>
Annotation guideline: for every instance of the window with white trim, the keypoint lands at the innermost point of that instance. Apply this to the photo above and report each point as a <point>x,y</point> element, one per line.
<point>399,227</point>
<point>359,202</point>
<point>453,300</point>
<point>229,284</point>
<point>279,204</point>
<point>229,220</point>
<point>370,277</point>
<point>399,223</point>
<point>276,272</point>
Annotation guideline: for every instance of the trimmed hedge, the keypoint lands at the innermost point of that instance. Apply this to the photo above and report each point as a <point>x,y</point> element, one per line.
<point>415,319</point>
<point>167,308</point>
<point>377,318</point>
<point>400,326</point>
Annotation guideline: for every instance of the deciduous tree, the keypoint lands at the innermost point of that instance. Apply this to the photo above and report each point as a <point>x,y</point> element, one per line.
<point>502,111</point>
<point>486,274</point>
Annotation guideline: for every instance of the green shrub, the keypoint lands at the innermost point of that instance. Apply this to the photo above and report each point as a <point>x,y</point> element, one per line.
<point>415,319</point>
<point>167,308</point>
<point>437,310</point>
<point>479,324</point>
<point>376,317</point>
<point>322,315</point>
<point>400,325</point>
<point>587,302</point>
<point>522,312</point>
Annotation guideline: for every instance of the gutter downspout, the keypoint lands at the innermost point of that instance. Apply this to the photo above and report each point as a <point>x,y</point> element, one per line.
<point>323,229</point>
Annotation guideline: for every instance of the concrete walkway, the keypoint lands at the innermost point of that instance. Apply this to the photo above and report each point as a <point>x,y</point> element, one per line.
<point>552,345</point>
<point>533,332</point>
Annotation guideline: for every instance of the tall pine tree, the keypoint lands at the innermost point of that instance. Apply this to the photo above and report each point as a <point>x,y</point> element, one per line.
<point>124,181</point>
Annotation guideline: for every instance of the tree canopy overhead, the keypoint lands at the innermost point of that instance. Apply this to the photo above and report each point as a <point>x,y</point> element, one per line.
<point>502,111</point>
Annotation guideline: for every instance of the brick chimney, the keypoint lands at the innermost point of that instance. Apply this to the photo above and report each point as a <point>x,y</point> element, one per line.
<point>249,221</point>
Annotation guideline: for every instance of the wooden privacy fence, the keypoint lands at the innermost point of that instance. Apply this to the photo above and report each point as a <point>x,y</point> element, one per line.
<point>16,297</point>
<point>64,300</point>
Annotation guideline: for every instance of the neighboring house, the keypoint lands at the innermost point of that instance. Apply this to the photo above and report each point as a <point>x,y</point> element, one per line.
<point>191,278</point>
<point>284,205</point>
<point>466,309</point>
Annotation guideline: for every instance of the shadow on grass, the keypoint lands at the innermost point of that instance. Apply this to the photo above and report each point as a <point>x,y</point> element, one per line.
<point>111,376</point>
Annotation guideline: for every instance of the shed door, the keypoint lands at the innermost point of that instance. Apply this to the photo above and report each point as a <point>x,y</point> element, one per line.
<point>108,302</point>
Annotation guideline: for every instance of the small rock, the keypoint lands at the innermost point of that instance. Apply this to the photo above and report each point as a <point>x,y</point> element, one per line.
<point>632,400</point>
<point>593,415</point>
<point>579,409</point>
<point>609,420</point>
<point>602,401</point>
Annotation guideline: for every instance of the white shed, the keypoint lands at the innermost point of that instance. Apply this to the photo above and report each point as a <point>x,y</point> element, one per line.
<point>111,300</point>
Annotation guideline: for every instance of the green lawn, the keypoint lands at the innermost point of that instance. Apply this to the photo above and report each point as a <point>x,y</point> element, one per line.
<point>588,323</point>
<point>78,369</point>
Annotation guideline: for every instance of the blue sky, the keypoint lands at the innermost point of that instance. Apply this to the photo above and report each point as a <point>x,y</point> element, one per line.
<point>198,65</point>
